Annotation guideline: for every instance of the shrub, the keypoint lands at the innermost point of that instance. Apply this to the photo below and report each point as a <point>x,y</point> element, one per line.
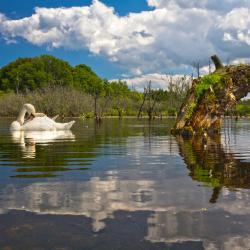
<point>64,101</point>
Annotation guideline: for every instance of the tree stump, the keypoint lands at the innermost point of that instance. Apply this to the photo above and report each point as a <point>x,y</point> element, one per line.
<point>210,97</point>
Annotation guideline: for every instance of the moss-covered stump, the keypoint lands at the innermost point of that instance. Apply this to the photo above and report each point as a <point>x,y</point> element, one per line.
<point>210,97</point>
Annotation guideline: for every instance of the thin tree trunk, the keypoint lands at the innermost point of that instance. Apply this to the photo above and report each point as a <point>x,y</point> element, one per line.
<point>144,99</point>
<point>95,107</point>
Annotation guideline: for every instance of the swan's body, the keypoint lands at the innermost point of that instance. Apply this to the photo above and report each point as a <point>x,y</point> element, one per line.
<point>40,122</point>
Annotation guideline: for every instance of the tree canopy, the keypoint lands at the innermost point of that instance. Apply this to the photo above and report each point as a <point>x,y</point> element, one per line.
<point>31,73</point>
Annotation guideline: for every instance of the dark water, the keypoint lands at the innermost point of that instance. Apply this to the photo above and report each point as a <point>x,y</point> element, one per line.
<point>124,185</point>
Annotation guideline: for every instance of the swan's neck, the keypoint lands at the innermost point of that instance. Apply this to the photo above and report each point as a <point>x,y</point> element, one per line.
<point>21,116</point>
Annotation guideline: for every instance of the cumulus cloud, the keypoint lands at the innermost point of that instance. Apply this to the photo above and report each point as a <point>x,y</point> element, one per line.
<point>139,82</point>
<point>221,6</point>
<point>236,25</point>
<point>158,81</point>
<point>173,34</point>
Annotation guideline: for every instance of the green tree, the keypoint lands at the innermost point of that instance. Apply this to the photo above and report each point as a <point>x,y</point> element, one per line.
<point>31,73</point>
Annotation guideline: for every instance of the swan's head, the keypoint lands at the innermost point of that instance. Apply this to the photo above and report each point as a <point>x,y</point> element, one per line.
<point>30,108</point>
<point>27,108</point>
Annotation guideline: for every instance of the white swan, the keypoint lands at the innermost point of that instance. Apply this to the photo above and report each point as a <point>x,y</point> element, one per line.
<point>37,121</point>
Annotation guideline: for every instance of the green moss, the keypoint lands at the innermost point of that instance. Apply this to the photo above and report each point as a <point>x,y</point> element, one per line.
<point>210,98</point>
<point>205,84</point>
<point>190,110</point>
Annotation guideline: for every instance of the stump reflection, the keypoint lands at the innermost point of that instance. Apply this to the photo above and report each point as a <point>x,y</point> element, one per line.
<point>210,164</point>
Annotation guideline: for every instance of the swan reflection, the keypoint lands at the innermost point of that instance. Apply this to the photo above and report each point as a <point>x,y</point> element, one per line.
<point>29,139</point>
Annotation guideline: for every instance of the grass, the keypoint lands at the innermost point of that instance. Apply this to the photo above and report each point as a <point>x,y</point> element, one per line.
<point>51,100</point>
<point>70,102</point>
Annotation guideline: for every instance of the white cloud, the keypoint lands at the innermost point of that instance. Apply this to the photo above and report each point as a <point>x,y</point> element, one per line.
<point>153,3</point>
<point>236,25</point>
<point>207,70</point>
<point>240,61</point>
<point>158,81</point>
<point>174,34</point>
<point>221,6</point>
<point>139,82</point>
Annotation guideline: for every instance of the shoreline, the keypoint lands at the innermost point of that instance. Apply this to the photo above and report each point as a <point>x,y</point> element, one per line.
<point>129,117</point>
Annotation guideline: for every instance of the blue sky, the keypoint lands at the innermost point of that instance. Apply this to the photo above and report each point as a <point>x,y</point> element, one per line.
<point>20,9</point>
<point>136,40</point>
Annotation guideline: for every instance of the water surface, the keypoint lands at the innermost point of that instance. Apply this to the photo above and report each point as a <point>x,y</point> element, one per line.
<point>125,184</point>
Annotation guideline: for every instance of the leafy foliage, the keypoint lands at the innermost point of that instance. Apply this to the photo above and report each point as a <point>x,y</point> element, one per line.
<point>243,108</point>
<point>30,73</point>
<point>54,86</point>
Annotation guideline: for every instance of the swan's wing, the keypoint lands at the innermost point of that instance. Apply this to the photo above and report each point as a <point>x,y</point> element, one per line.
<point>46,124</point>
<point>43,123</point>
<point>64,126</point>
<point>55,117</point>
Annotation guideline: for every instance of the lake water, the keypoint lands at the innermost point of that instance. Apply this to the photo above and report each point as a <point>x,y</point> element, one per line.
<point>125,184</point>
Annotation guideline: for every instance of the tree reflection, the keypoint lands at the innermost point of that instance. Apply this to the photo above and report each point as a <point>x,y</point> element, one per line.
<point>209,163</point>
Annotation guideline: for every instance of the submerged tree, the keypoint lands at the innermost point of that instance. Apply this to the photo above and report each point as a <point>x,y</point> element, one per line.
<point>209,98</point>
<point>151,100</point>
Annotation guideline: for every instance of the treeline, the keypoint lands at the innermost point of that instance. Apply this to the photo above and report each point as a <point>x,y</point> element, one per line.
<point>55,87</point>
<point>242,108</point>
